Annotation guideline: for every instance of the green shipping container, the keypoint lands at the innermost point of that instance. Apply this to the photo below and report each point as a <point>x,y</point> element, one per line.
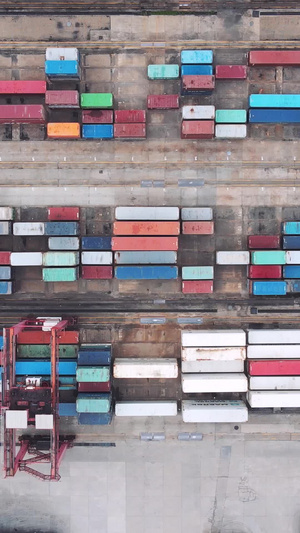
<point>93,403</point>
<point>57,259</point>
<point>163,72</point>
<point>60,274</point>
<point>96,100</point>
<point>270,257</point>
<point>231,116</point>
<point>198,272</point>
<point>38,351</point>
<point>90,374</point>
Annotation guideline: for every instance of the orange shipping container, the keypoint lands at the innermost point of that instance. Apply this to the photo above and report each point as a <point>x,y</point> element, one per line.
<point>63,130</point>
<point>146,228</point>
<point>144,243</point>
<point>198,228</point>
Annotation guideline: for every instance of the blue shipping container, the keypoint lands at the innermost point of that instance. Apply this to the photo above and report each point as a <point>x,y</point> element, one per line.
<point>43,368</point>
<point>269,288</point>
<point>96,243</point>
<point>293,286</point>
<point>95,419</point>
<point>291,271</point>
<point>274,116</point>
<point>274,100</point>
<point>196,70</point>
<point>67,409</point>
<point>197,56</point>
<point>1,343</point>
<point>5,272</point>
<point>61,228</point>
<point>291,242</point>
<point>5,287</point>
<point>97,131</point>
<point>94,357</point>
<point>62,68</point>
<point>291,228</point>
<point>146,272</point>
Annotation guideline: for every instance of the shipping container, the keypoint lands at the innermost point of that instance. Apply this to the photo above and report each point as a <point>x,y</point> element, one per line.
<point>213,354</point>
<point>29,228</point>
<point>195,84</point>
<point>211,383</point>
<point>274,57</point>
<point>197,129</point>
<point>139,258</point>
<point>197,287</point>
<point>67,409</point>
<point>231,116</point>
<point>198,112</point>
<point>270,399</point>
<point>163,72</point>
<point>292,257</point>
<point>62,54</point>
<point>274,116</point>
<point>213,337</point>
<point>43,337</point>
<point>158,408</point>
<point>97,131</point>
<point>274,100</point>
<point>276,257</point>
<point>136,368</point>
<point>130,115</point>
<point>293,285</point>
<point>5,228</point>
<point>96,272</point>
<point>63,130</point>
<point>163,101</point>
<point>43,368</point>
<point>144,243</point>
<point>96,258</point>
<point>92,402</point>
<point>264,241</point>
<point>196,56</point>
<point>60,274</point>
<point>211,366</point>
<point>58,259</point>
<point>96,100</point>
<point>291,228</point>
<point>22,114</point>
<point>264,272</point>
<point>265,367</point>
<point>196,213</point>
<point>95,419</point>
<point>61,228</point>
<point>291,242</point>
<point>7,213</point>
<point>231,72</point>
<point>274,383</point>
<point>291,271</point>
<point>63,213</point>
<point>63,243</point>
<point>233,258</point>
<point>97,116</point>
<point>26,258</point>
<point>231,131</point>
<point>59,99</point>
<point>62,69</point>
<point>130,131</point>
<point>273,351</point>
<point>5,258</point>
<point>147,213</point>
<point>214,411</point>
<point>94,387</point>
<point>37,351</point>
<point>146,272</point>
<point>22,87</point>
<point>196,70</point>
<point>5,272</point>
<point>274,336</point>
<point>198,272</point>
<point>146,228</point>
<point>198,228</point>
<point>268,288</point>
<point>6,287</point>
<point>94,357</point>
<point>93,374</point>
<point>96,243</point>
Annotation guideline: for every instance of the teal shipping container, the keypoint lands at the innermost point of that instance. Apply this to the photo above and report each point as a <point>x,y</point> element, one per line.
<point>269,257</point>
<point>231,116</point>
<point>90,374</point>
<point>90,402</point>
<point>37,351</point>
<point>191,57</point>
<point>60,274</point>
<point>274,100</point>
<point>163,72</point>
<point>57,259</point>
<point>291,228</point>
<point>198,272</point>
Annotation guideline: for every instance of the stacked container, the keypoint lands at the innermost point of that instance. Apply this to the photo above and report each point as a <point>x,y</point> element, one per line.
<point>291,243</point>
<point>62,63</point>
<point>265,271</point>
<point>231,124</point>
<point>61,265</point>
<point>96,257</point>
<point>130,124</point>
<point>6,217</point>
<point>25,113</point>
<point>163,101</point>
<point>97,107</point>
<point>196,72</point>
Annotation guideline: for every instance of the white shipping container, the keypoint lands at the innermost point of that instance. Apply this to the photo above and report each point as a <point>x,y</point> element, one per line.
<point>273,351</point>
<point>145,368</point>
<point>212,366</point>
<point>274,336</point>
<point>26,259</point>
<point>214,411</point>
<point>146,408</point>
<point>198,112</point>
<point>196,213</point>
<point>233,258</point>
<point>213,337</point>
<point>29,228</point>
<point>96,258</point>
<point>292,257</point>
<point>231,131</point>
<point>6,213</point>
<point>43,421</point>
<point>62,54</point>
<point>274,382</point>
<point>147,213</point>
<point>16,419</point>
<point>265,399</point>
<point>5,228</point>
<point>214,383</point>
<point>213,354</point>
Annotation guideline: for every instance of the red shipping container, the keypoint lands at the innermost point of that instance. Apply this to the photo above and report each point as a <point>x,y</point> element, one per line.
<point>97,116</point>
<point>198,287</point>
<point>62,98</point>
<point>22,114</point>
<point>63,213</point>
<point>144,243</point>
<point>231,72</point>
<point>146,228</point>
<point>197,83</point>
<point>198,228</point>
<point>265,272</point>
<point>5,258</point>
<point>130,131</point>
<point>22,87</point>
<point>125,116</point>
<point>274,367</point>
<point>163,101</point>
<point>197,129</point>
<point>264,242</point>
<point>274,57</point>
<point>43,337</point>
<point>94,387</point>
<point>96,272</point>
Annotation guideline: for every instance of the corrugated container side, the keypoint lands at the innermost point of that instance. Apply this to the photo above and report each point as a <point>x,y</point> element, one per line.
<point>5,258</point>
<point>166,408</point>
<point>197,129</point>
<point>291,271</point>
<point>62,69</point>
<point>6,287</point>
<point>96,272</point>
<point>163,101</point>
<point>268,288</point>
<point>274,100</point>
<point>198,112</point>
<point>131,130</point>
<point>130,115</point>
<point>198,83</point>
<point>5,228</point>
<point>233,258</point>
<point>146,228</point>
<point>7,213</point>
<point>214,411</point>
<point>26,258</point>
<point>141,368</point>
<point>274,57</point>
<point>146,272</point>
<point>231,116</point>
<point>93,374</point>
<point>291,242</point>
<point>63,213</point>
<point>29,228</point>
<point>231,72</point>
<point>62,54</point>
<point>207,366</point>
<point>264,241</point>
<point>196,213</point>
<point>147,213</point>
<point>197,287</point>
<point>95,419</point>
<point>213,354</point>
<point>292,257</point>
<point>34,368</point>
<point>276,257</point>
<point>274,116</point>
<point>212,383</point>
<point>93,402</point>
<point>97,116</point>
<point>96,100</point>
<point>37,351</point>
<point>144,243</point>
<point>22,87</point>
<point>5,272</point>
<point>94,387</point>
<point>198,228</point>
<point>67,409</point>
<point>277,367</point>
<point>22,114</point>
<point>194,70</point>
<point>274,336</point>
<point>94,357</point>
<point>264,271</point>
<point>214,338</point>
<point>291,228</point>
<point>274,383</point>
<point>265,399</point>
<point>273,351</point>
<point>198,272</point>
<point>62,99</point>
<point>57,259</point>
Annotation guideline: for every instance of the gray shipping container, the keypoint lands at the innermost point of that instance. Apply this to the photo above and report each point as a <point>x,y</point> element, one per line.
<point>144,258</point>
<point>5,228</point>
<point>63,243</point>
<point>5,272</point>
<point>196,213</point>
